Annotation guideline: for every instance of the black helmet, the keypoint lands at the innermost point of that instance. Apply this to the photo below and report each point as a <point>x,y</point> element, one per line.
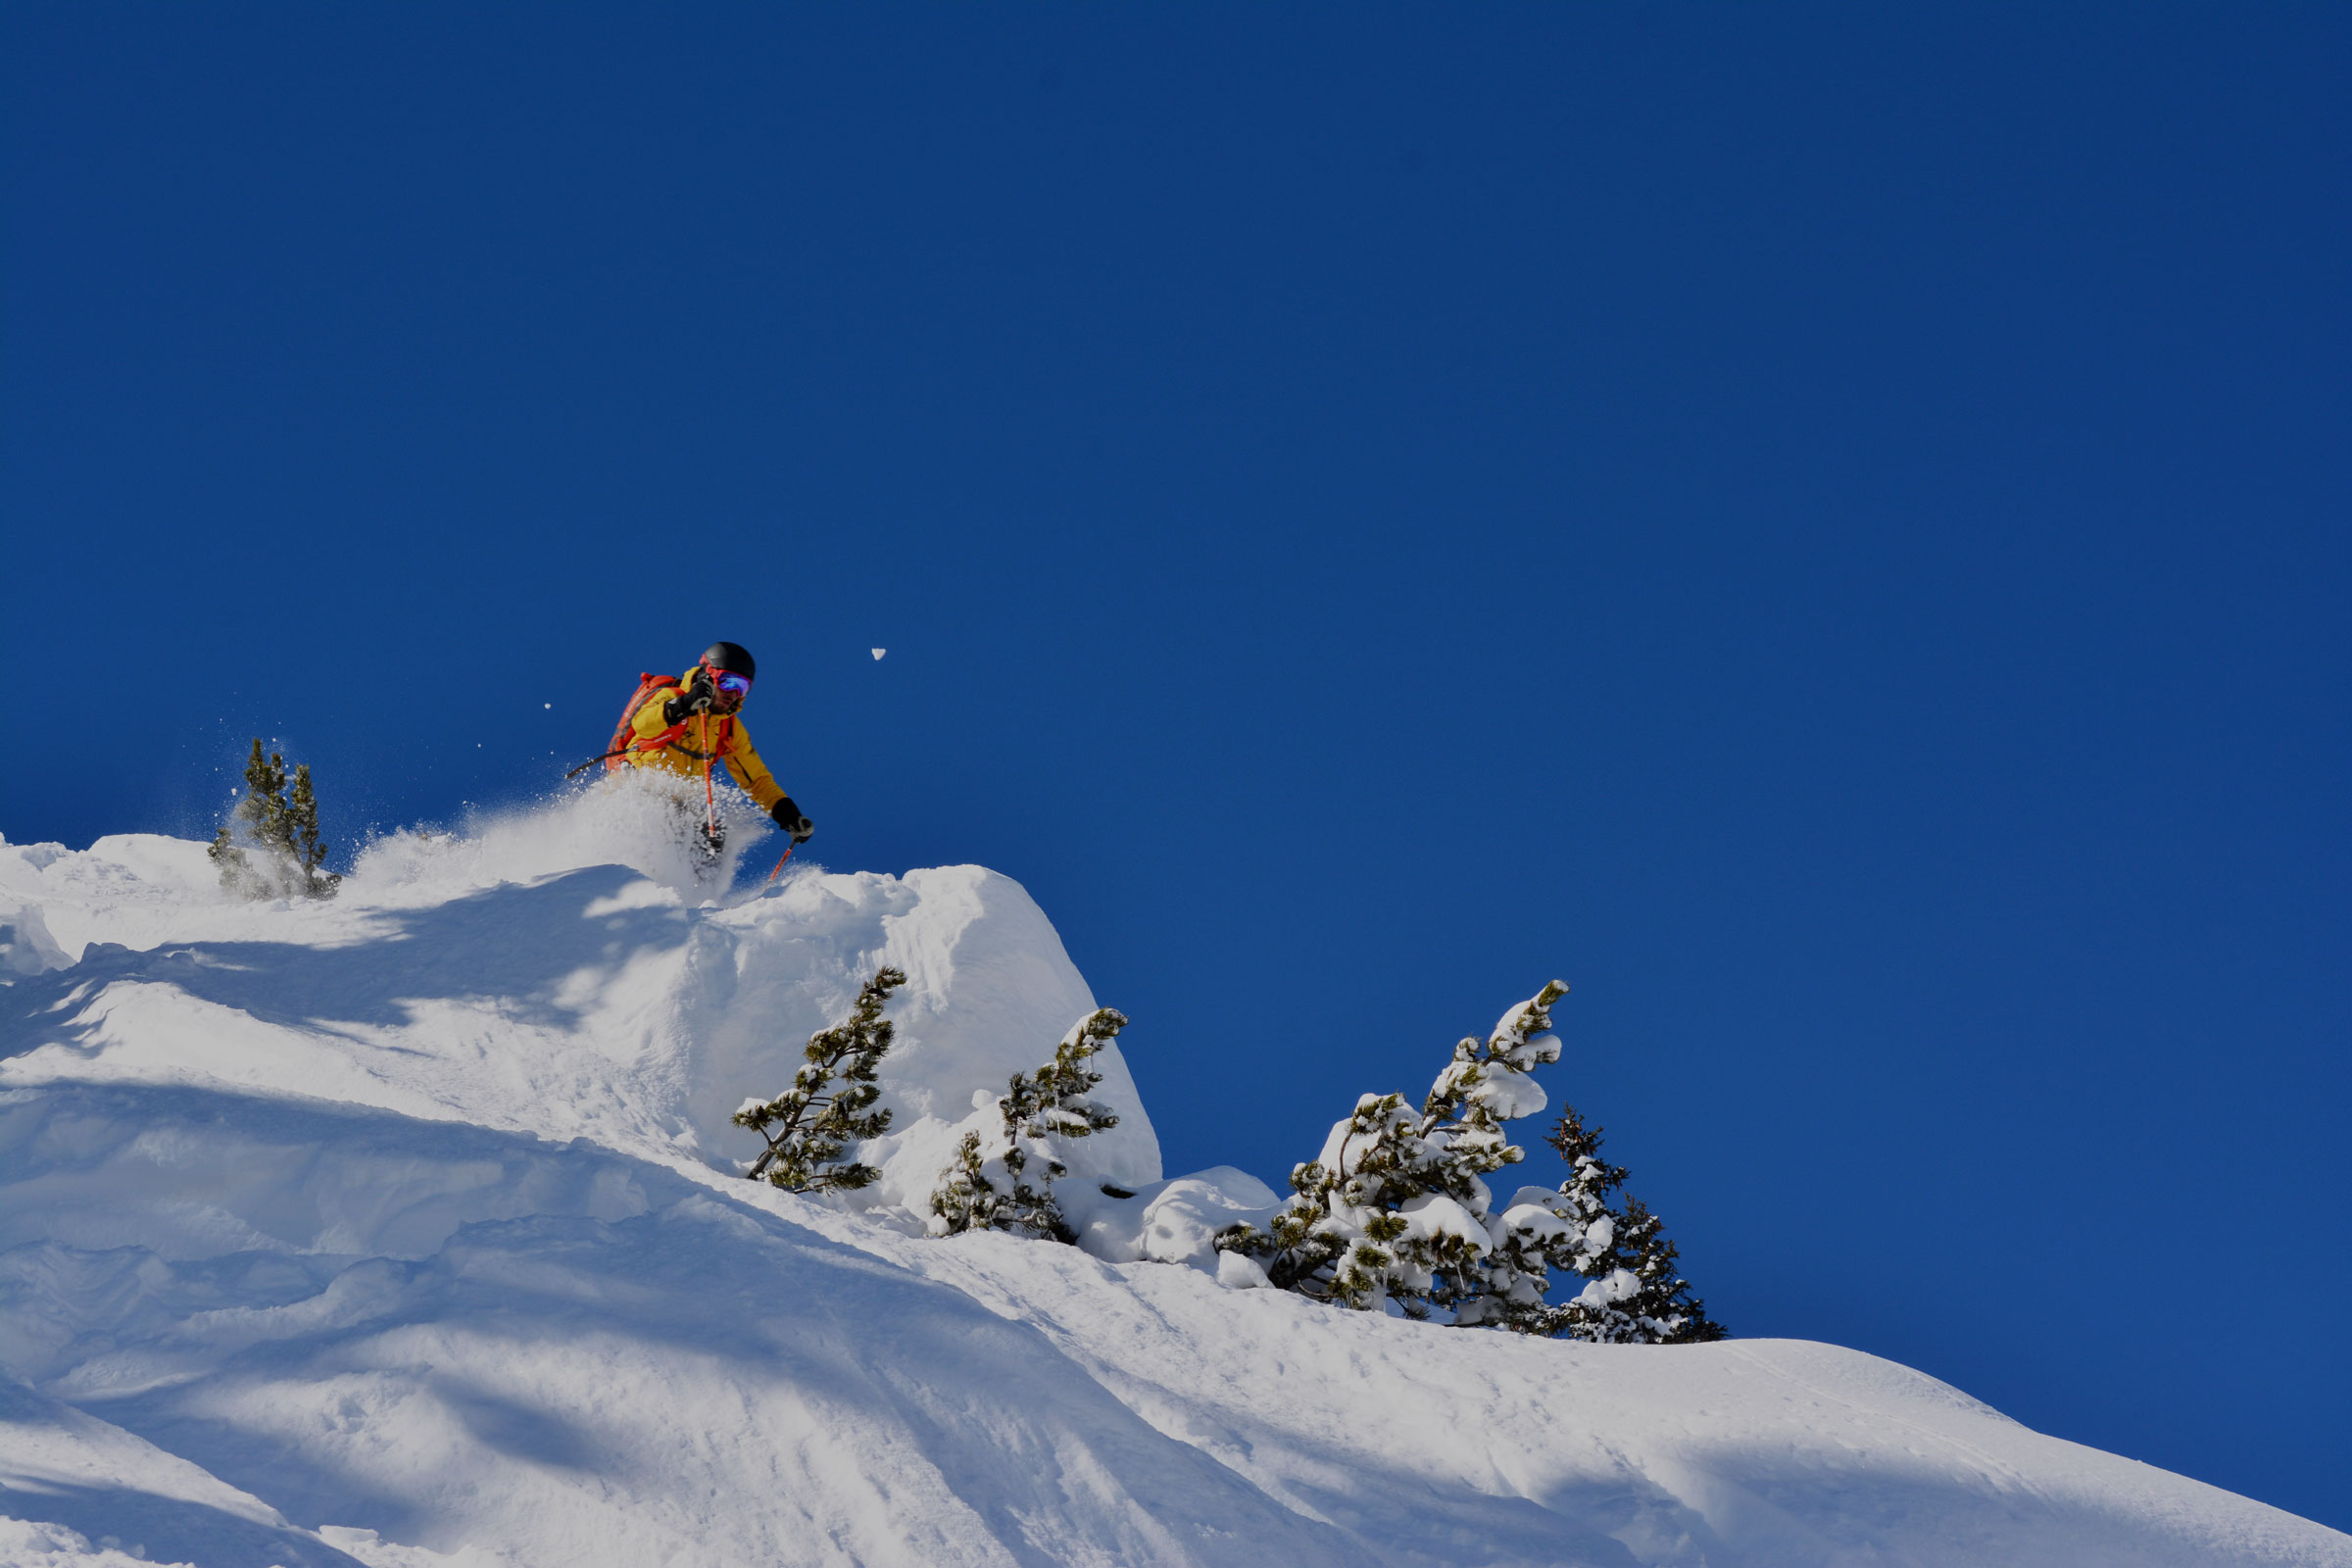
<point>732,657</point>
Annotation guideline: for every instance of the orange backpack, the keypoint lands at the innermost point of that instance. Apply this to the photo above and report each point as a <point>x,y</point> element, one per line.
<point>625,733</point>
<point>625,739</point>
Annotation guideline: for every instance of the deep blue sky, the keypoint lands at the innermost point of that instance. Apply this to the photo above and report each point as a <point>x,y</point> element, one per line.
<point>1826,527</point>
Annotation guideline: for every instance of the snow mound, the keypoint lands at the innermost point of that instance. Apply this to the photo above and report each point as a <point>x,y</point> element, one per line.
<point>586,1001</point>
<point>403,1231</point>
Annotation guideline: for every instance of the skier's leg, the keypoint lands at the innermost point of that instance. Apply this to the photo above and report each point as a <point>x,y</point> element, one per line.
<point>709,843</point>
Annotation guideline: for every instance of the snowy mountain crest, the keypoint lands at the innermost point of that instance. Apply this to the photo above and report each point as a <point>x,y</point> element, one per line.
<point>410,1228</point>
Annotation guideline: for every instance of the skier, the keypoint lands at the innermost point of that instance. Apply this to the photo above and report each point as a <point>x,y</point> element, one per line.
<point>687,725</point>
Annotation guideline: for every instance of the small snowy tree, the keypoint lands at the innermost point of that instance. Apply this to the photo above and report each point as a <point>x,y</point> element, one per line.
<point>1396,1207</point>
<point>1634,1293</point>
<point>1660,1307</point>
<point>281,854</point>
<point>1344,1236</point>
<point>831,1102</point>
<point>1004,1182</point>
<point>1544,1230</point>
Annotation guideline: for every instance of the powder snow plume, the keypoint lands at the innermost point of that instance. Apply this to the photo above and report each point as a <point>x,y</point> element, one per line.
<point>649,822</point>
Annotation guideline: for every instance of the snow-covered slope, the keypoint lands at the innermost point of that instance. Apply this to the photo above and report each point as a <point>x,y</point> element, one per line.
<point>401,1231</point>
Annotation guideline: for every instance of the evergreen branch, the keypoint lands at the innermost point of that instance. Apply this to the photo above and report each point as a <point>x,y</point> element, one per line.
<point>1036,1109</point>
<point>806,1128</point>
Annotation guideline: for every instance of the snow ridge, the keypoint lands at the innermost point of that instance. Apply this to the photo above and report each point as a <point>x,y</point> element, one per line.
<point>404,1231</point>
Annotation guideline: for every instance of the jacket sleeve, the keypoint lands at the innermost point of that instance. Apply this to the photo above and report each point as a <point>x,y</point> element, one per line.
<point>751,772</point>
<point>647,723</point>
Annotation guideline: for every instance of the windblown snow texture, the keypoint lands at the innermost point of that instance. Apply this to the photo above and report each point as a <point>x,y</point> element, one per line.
<point>403,1231</point>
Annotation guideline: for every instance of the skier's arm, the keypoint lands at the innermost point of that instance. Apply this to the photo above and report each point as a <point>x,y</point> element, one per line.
<point>696,697</point>
<point>648,720</point>
<point>751,772</point>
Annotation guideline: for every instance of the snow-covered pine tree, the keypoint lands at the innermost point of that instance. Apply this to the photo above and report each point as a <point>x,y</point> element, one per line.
<point>806,1128</point>
<point>281,832</point>
<point>1395,1208</point>
<point>1341,1237</point>
<point>989,1184</point>
<point>1542,1230</point>
<point>1661,1305</point>
<point>967,1197</point>
<point>1633,1291</point>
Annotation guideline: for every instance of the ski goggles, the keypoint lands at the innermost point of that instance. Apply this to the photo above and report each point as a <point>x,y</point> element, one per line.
<point>729,683</point>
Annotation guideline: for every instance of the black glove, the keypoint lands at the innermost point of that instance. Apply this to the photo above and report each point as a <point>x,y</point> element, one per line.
<point>697,697</point>
<point>788,818</point>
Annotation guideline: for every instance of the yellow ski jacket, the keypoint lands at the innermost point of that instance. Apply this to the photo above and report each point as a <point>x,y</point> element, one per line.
<point>699,738</point>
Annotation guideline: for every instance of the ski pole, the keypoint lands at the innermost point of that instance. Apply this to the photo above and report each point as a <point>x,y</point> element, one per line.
<point>788,849</point>
<point>592,761</point>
